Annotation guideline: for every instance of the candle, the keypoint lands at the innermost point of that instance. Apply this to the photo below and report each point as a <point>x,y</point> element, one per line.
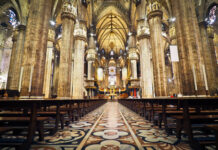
<point>205,77</point>
<point>20,80</point>
<point>31,76</point>
<point>195,81</point>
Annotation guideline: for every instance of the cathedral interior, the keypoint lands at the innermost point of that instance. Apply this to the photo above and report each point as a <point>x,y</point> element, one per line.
<point>112,74</point>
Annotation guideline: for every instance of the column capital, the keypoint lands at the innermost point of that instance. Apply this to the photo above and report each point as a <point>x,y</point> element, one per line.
<point>156,13</point>
<point>133,54</point>
<point>154,9</point>
<point>69,11</point>
<point>210,31</point>
<point>51,35</point>
<point>172,31</point>
<point>143,30</point>
<point>91,55</point>
<point>80,32</point>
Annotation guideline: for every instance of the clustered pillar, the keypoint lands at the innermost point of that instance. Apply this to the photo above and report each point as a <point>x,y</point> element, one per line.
<point>80,42</point>
<point>145,59</point>
<point>90,58</point>
<point>175,65</point>
<point>35,46</point>
<point>133,56</point>
<point>68,17</point>
<point>48,64</point>
<point>155,21</point>
<point>190,48</point>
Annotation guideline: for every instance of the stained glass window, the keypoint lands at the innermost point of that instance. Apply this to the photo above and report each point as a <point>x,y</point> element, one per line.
<point>211,16</point>
<point>12,18</point>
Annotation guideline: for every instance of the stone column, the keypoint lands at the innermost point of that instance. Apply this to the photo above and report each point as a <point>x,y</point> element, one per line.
<point>133,56</point>
<point>143,36</point>
<point>175,65</point>
<point>55,72</point>
<point>80,41</point>
<point>209,59</point>
<point>14,73</point>
<point>48,64</point>
<point>12,65</point>
<point>3,33</point>
<point>190,48</point>
<point>213,84</point>
<point>134,68</point>
<point>216,45</point>
<point>35,46</point>
<point>154,19</point>
<point>91,56</point>
<point>65,67</point>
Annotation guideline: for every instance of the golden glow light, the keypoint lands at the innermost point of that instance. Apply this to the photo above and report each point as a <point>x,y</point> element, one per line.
<point>124,73</point>
<point>100,74</point>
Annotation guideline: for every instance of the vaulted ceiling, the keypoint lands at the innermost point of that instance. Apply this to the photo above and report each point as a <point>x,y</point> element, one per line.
<point>112,32</point>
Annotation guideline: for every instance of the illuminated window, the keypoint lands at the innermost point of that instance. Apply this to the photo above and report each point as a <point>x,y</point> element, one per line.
<point>211,16</point>
<point>12,18</point>
<point>112,53</point>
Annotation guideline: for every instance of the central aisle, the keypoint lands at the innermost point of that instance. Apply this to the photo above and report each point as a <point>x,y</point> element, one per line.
<point>111,131</point>
<point>111,127</point>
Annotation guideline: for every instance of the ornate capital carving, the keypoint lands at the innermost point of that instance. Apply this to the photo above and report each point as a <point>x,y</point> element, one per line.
<point>156,13</point>
<point>51,35</point>
<point>143,32</point>
<point>69,11</point>
<point>133,55</point>
<point>91,55</point>
<point>172,31</point>
<point>154,9</point>
<point>210,31</point>
<point>80,31</point>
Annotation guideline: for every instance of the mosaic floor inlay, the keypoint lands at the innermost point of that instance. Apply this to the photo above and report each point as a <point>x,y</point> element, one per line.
<point>110,127</point>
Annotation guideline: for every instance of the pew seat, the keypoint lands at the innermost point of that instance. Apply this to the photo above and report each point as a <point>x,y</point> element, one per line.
<point>14,120</point>
<point>52,114</point>
<point>4,129</point>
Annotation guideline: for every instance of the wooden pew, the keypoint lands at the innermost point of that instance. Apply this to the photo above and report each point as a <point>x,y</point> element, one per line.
<point>35,105</point>
<point>214,128</point>
<point>52,114</point>
<point>14,120</point>
<point>4,129</point>
<point>199,104</point>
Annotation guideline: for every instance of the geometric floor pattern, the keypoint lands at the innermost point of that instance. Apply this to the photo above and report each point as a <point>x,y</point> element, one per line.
<point>110,127</point>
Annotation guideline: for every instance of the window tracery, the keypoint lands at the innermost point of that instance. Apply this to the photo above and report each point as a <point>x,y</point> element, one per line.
<point>211,19</point>
<point>12,18</point>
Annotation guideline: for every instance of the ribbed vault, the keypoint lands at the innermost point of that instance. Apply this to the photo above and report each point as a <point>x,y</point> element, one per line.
<point>111,32</point>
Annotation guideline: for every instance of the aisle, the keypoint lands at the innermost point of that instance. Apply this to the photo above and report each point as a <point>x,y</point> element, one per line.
<point>111,127</point>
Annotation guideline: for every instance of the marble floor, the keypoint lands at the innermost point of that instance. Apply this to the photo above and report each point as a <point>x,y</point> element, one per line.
<point>110,127</point>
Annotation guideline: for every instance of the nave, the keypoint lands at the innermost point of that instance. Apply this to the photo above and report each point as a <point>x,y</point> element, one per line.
<point>112,126</point>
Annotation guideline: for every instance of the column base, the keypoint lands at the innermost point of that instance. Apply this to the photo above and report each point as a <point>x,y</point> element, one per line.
<point>63,98</point>
<point>31,97</point>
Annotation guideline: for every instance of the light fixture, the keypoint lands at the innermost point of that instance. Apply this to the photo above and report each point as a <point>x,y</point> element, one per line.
<point>173,19</point>
<point>169,80</point>
<point>100,74</point>
<point>127,48</point>
<point>52,22</point>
